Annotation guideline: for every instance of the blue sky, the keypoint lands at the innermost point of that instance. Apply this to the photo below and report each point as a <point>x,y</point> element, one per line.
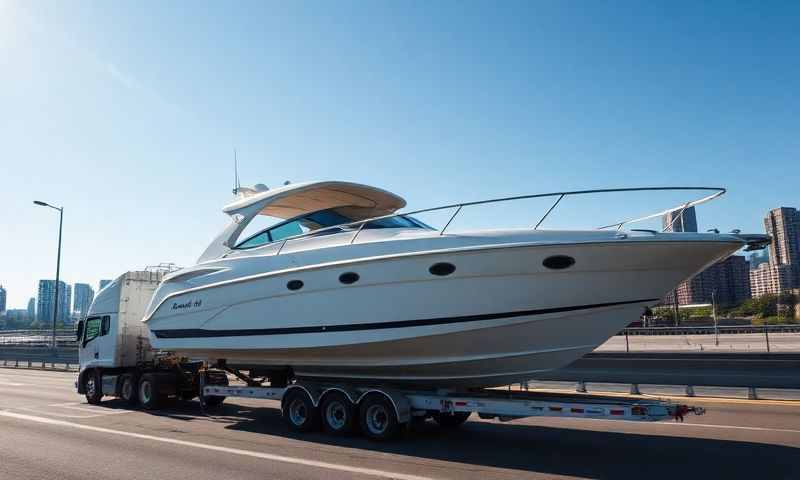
<point>127,113</point>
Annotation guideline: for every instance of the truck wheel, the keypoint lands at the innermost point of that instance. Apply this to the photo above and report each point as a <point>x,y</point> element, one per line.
<point>338,414</point>
<point>128,389</point>
<point>451,420</point>
<point>149,396</point>
<point>93,386</point>
<point>299,411</point>
<point>378,418</point>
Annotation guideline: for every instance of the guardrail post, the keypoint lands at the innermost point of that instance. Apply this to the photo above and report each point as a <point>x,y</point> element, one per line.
<point>689,391</point>
<point>16,364</point>
<point>43,364</point>
<point>581,388</point>
<point>627,345</point>
<point>67,366</point>
<point>29,364</point>
<point>766,335</point>
<point>635,389</point>
<point>752,394</point>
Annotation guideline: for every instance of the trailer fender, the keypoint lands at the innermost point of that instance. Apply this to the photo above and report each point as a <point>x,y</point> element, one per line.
<point>399,401</point>
<point>351,394</point>
<point>313,393</point>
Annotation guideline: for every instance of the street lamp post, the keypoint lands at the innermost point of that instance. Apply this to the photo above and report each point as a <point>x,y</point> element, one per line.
<point>58,262</point>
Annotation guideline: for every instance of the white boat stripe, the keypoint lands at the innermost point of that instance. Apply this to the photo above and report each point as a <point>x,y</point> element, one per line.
<point>235,451</point>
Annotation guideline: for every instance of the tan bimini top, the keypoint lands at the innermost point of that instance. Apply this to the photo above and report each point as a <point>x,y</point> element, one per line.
<point>357,201</point>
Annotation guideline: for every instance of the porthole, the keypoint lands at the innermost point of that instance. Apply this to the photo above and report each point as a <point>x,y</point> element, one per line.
<point>348,278</point>
<point>294,284</point>
<point>558,262</point>
<point>442,269</point>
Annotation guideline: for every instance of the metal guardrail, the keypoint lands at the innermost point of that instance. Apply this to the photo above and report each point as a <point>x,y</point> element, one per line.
<point>647,338</point>
<point>743,370</point>
<point>710,330</point>
<point>37,338</point>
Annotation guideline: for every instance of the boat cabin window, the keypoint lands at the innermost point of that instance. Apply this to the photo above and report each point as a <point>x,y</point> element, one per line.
<point>319,220</point>
<point>287,230</point>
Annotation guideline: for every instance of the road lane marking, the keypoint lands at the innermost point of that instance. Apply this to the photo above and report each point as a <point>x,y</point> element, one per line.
<point>55,414</point>
<point>685,424</point>
<point>733,427</point>
<point>235,451</point>
<point>97,411</point>
<point>11,384</point>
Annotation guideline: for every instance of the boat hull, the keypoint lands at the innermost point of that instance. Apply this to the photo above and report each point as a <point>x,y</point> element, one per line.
<point>501,317</point>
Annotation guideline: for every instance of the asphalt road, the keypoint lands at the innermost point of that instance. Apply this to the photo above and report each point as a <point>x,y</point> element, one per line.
<point>49,432</point>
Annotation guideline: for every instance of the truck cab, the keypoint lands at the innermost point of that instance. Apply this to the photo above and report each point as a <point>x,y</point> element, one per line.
<point>112,340</point>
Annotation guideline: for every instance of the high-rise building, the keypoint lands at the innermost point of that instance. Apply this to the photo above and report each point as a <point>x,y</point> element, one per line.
<point>16,315</point>
<point>83,298</point>
<point>32,308</point>
<point>680,221</point>
<point>2,299</point>
<point>103,284</point>
<point>783,226</point>
<point>757,258</point>
<point>728,281</point>
<point>770,279</point>
<point>46,300</point>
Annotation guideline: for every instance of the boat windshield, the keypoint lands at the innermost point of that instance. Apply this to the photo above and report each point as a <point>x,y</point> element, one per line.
<point>322,219</point>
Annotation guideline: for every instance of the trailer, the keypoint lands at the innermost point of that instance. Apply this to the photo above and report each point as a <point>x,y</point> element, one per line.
<point>116,360</point>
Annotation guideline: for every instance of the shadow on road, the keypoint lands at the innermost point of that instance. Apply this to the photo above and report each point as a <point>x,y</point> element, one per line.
<point>531,448</point>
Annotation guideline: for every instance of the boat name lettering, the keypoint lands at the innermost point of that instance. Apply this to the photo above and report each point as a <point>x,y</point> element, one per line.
<point>189,304</point>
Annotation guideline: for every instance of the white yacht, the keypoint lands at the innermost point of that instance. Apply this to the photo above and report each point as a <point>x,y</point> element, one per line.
<point>347,288</point>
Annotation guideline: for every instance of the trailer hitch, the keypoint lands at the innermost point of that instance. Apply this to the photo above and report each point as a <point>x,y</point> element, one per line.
<point>679,411</point>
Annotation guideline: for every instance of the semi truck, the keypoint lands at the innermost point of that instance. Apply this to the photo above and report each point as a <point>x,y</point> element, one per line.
<point>117,360</point>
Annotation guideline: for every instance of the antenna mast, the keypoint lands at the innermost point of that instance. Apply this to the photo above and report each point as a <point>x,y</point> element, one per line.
<point>236,184</point>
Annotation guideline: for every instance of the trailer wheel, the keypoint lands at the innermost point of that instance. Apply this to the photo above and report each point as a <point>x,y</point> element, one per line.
<point>128,389</point>
<point>214,378</point>
<point>378,418</point>
<point>451,420</point>
<point>149,395</point>
<point>338,414</point>
<point>299,411</point>
<point>93,386</point>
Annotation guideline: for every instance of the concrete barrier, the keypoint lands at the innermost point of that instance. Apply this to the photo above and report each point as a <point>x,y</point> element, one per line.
<point>749,370</point>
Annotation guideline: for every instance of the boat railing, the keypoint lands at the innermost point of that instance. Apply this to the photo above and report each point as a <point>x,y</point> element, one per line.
<point>457,207</point>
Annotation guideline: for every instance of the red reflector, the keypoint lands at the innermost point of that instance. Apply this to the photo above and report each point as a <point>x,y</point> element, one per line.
<point>617,412</point>
<point>577,410</point>
<point>555,409</point>
<point>461,404</point>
